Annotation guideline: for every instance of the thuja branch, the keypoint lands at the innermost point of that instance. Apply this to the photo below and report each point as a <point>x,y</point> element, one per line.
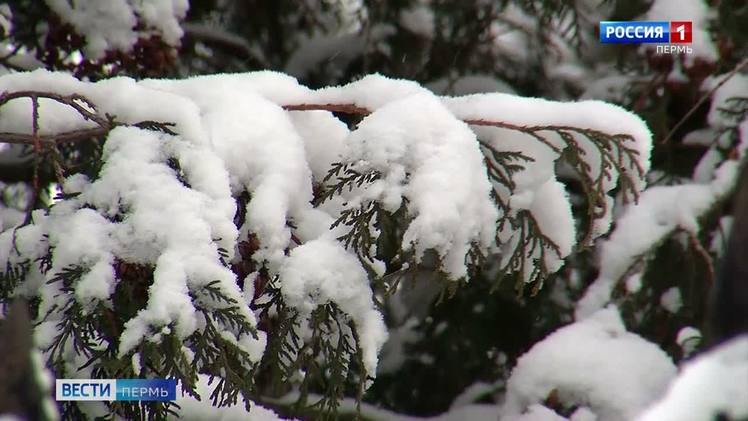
<point>48,140</point>
<point>531,130</point>
<point>80,104</point>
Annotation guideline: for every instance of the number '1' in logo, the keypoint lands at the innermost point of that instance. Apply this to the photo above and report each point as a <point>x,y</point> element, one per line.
<point>680,32</point>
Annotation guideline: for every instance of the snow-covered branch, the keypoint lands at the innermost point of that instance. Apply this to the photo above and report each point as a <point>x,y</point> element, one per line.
<point>222,205</point>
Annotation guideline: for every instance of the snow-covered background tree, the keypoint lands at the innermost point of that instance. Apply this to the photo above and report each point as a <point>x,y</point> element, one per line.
<point>374,214</point>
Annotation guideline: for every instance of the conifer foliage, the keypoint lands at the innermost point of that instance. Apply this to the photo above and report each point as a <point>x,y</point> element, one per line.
<point>185,249</point>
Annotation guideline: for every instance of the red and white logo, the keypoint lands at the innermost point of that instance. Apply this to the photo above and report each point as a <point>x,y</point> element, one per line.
<point>680,32</point>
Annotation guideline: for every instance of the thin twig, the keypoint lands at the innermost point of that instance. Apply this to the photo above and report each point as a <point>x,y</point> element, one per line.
<point>340,108</point>
<point>703,98</point>
<point>48,140</point>
<point>701,251</point>
<point>79,103</point>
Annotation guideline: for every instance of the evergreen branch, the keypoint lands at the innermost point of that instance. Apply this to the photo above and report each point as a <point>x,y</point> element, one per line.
<point>359,237</point>
<point>11,278</point>
<point>740,66</point>
<point>502,165</point>
<point>349,178</point>
<point>532,247</point>
<point>79,103</point>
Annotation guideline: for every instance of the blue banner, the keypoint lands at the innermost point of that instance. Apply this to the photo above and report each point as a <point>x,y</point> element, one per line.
<point>634,32</point>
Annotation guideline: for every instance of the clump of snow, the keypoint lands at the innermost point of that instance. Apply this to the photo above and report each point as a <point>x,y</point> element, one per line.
<point>663,209</point>
<point>535,112</point>
<point>714,383</point>
<point>432,160</point>
<point>536,190</point>
<point>634,283</point>
<point>535,412</point>
<point>112,25</point>
<point>688,339</point>
<point>594,362</point>
<point>369,92</point>
<point>324,139</point>
<point>671,300</point>
<point>418,19</point>
<point>322,271</point>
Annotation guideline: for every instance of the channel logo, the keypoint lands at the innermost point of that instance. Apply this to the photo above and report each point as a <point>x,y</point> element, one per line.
<point>115,390</point>
<point>643,32</point>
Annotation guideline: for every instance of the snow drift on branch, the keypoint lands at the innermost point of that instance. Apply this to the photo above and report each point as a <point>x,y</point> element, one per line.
<point>179,153</point>
<point>711,385</point>
<point>578,362</point>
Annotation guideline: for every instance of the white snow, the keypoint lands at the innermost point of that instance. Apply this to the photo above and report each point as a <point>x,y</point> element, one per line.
<point>448,193</point>
<point>735,86</point>
<point>322,271</point>
<point>111,25</point>
<point>232,135</point>
<point>661,209</point>
<point>419,19</point>
<point>714,383</point>
<point>688,339</point>
<point>671,300</point>
<point>594,362</point>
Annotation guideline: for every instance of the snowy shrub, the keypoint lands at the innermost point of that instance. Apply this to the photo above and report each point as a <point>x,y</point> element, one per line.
<point>233,226</point>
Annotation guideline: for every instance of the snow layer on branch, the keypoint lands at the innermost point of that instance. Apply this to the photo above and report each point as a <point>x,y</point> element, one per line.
<point>232,136</point>
<point>370,92</point>
<point>261,150</point>
<point>192,409</point>
<point>431,159</point>
<point>322,271</point>
<point>735,87</point>
<point>660,210</point>
<point>595,363</point>
<point>538,112</point>
<point>715,383</point>
<point>111,25</point>
<point>276,87</point>
<point>590,115</point>
<point>167,224</point>
<point>535,190</point>
<point>324,139</point>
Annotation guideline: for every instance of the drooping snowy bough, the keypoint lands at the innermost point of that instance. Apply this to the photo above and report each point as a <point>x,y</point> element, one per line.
<point>243,229</point>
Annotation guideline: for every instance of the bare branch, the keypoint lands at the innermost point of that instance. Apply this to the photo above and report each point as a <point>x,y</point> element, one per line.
<point>339,108</point>
<point>79,103</point>
<point>48,140</point>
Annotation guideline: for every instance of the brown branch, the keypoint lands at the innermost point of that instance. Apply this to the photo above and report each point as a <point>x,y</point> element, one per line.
<point>701,251</point>
<point>48,140</point>
<point>74,101</point>
<point>79,103</point>
<point>355,109</point>
<point>703,99</point>
<point>339,108</point>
